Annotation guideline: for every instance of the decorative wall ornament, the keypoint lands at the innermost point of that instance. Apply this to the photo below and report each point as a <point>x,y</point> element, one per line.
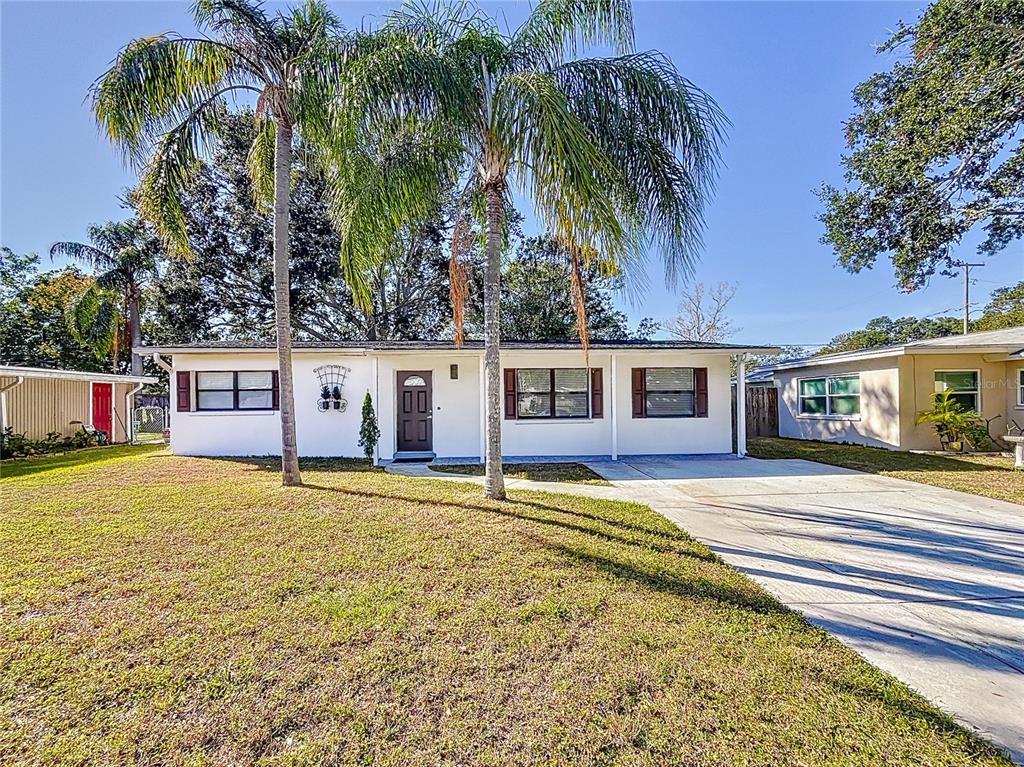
<point>332,382</point>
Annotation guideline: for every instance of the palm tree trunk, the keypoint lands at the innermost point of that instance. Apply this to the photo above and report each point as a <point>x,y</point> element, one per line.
<point>494,482</point>
<point>135,330</point>
<point>282,311</point>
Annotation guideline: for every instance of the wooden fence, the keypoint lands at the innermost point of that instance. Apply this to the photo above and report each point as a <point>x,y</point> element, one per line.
<point>762,411</point>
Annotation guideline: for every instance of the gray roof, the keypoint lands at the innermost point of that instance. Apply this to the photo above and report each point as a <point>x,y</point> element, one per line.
<point>443,345</point>
<point>1009,341</point>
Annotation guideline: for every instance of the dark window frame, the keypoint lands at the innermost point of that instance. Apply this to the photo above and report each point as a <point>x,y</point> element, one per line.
<point>234,393</point>
<point>693,392</point>
<point>552,394</point>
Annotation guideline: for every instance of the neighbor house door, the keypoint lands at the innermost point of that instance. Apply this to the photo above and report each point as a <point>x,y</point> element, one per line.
<point>102,415</point>
<point>415,427</point>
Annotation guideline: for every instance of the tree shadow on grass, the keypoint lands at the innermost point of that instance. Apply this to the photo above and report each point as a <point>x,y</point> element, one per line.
<point>685,546</point>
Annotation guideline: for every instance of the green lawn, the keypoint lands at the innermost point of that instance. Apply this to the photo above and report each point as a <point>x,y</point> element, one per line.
<point>177,611</point>
<point>990,476</point>
<point>575,473</point>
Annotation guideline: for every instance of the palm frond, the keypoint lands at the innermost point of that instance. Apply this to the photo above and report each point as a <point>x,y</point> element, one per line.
<point>260,164</point>
<point>246,26</point>
<point>558,162</point>
<point>662,136</point>
<point>374,196</point>
<point>159,82</point>
<point>78,251</point>
<point>93,319</point>
<point>556,28</point>
<point>173,165</point>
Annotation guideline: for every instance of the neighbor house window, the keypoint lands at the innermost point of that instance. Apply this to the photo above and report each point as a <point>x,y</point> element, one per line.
<point>669,392</point>
<point>235,390</point>
<point>963,384</point>
<point>552,393</point>
<point>1020,387</point>
<point>830,395</point>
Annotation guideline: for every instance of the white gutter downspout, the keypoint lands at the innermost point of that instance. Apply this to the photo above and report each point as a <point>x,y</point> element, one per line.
<point>129,424</point>
<point>18,381</point>
<point>159,362</point>
<point>741,404</point>
<point>614,411</point>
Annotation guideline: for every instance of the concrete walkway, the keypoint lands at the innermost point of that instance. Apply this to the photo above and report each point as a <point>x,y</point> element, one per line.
<point>925,583</point>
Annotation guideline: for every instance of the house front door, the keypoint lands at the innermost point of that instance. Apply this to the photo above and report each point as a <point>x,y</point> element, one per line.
<point>415,425</point>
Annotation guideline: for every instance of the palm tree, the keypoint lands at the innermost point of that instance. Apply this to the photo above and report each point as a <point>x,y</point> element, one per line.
<point>164,101</point>
<point>616,154</point>
<point>107,315</point>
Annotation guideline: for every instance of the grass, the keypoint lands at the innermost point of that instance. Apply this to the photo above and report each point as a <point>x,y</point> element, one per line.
<point>19,467</point>
<point>575,473</point>
<point>180,611</point>
<point>989,476</point>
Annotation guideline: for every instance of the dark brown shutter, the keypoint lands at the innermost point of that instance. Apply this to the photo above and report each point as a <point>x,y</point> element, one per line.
<point>510,393</point>
<point>639,392</point>
<point>184,384</point>
<point>700,394</point>
<point>596,393</point>
<point>276,397</point>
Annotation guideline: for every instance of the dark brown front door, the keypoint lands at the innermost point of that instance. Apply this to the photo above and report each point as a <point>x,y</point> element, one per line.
<point>415,432</point>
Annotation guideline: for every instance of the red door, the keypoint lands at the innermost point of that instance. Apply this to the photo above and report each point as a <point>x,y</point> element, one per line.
<point>101,409</point>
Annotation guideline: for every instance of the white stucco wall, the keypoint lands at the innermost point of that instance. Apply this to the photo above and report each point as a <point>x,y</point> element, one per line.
<point>879,421</point>
<point>640,436</point>
<point>456,407</point>
<point>586,436</point>
<point>259,433</point>
<point>456,412</point>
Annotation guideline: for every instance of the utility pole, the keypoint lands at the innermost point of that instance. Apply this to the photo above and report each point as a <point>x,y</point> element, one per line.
<point>967,292</point>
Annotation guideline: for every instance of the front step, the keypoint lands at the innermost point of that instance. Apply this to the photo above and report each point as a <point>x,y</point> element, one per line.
<point>408,456</point>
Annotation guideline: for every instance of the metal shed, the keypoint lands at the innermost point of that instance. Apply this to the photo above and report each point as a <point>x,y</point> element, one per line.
<point>36,401</point>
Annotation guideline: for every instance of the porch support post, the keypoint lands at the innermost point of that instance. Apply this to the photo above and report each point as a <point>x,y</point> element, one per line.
<point>375,368</point>
<point>613,410</point>
<point>482,404</point>
<point>741,404</point>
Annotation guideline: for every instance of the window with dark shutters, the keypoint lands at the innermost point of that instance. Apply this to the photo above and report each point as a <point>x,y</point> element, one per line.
<point>184,388</point>
<point>639,392</point>
<point>596,393</point>
<point>670,392</point>
<point>510,394</point>
<point>700,382</point>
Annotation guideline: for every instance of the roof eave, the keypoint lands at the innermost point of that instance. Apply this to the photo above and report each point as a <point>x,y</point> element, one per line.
<point>12,371</point>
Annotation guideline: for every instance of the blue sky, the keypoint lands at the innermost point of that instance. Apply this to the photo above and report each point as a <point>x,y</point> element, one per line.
<point>782,72</point>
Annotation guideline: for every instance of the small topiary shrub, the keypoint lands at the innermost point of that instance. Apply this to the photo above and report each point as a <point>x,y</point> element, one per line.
<point>369,431</point>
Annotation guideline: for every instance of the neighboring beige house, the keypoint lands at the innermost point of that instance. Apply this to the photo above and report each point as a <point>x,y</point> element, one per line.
<point>37,401</point>
<point>872,397</point>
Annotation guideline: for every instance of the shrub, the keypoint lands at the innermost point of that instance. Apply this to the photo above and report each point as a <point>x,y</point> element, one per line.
<point>369,431</point>
<point>953,423</point>
<point>14,445</point>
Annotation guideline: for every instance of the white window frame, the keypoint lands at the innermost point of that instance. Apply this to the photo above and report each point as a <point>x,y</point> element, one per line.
<point>828,395</point>
<point>976,391</point>
<point>1020,388</point>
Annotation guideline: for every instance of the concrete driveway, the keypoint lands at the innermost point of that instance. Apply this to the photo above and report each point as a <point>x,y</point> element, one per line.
<point>927,584</point>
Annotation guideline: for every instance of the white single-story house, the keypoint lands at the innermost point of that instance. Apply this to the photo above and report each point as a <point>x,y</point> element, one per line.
<point>38,401</point>
<point>635,397</point>
<point>873,396</point>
